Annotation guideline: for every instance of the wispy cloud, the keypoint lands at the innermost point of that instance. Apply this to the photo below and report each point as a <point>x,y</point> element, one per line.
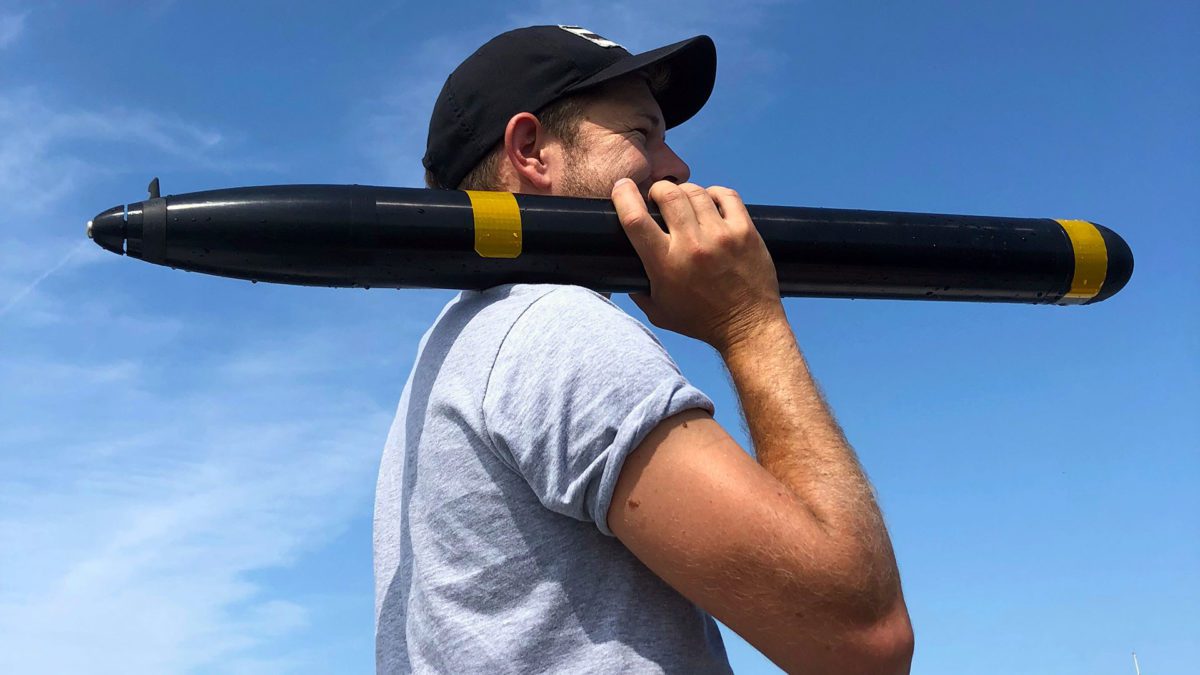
<point>50,152</point>
<point>149,477</point>
<point>130,527</point>
<point>11,27</point>
<point>8,304</point>
<point>47,150</point>
<point>27,262</point>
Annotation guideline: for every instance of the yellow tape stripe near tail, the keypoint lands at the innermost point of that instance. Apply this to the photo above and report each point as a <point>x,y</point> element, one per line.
<point>1091,261</point>
<point>497,224</point>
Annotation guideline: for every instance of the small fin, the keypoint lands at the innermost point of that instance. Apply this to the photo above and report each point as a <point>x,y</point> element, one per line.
<point>153,188</point>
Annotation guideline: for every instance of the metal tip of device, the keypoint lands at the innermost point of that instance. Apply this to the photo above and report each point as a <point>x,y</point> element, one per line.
<point>89,230</point>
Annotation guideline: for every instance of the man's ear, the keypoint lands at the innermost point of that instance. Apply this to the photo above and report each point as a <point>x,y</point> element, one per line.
<point>525,142</point>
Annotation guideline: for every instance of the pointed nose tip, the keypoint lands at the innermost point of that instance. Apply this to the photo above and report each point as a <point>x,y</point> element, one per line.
<point>108,230</point>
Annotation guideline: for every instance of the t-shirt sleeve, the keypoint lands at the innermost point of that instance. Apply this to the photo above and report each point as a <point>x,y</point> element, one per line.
<point>576,385</point>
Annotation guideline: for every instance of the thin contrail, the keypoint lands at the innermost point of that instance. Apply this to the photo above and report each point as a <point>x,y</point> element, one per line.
<point>20,295</point>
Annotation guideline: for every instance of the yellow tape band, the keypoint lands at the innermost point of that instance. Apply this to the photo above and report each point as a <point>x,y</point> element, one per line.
<point>497,224</point>
<point>1091,261</point>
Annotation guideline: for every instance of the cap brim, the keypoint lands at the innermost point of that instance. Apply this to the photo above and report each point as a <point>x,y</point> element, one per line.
<point>693,66</point>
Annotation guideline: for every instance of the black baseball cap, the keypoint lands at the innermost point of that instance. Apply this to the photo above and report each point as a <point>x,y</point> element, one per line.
<point>528,68</point>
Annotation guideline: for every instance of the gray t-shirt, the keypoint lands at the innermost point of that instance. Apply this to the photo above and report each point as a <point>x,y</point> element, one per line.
<point>492,549</point>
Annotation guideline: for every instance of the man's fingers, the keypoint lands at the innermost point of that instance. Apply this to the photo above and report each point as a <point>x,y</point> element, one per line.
<point>730,204</point>
<point>647,237</point>
<point>702,204</point>
<point>676,209</point>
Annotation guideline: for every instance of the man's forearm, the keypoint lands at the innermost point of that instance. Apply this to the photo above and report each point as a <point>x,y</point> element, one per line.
<point>798,441</point>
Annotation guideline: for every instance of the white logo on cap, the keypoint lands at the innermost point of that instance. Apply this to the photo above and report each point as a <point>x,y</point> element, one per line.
<point>590,36</point>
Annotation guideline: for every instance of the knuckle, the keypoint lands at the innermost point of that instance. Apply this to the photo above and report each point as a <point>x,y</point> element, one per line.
<point>666,193</point>
<point>692,190</point>
<point>725,239</point>
<point>701,254</point>
<point>632,218</point>
<point>724,192</point>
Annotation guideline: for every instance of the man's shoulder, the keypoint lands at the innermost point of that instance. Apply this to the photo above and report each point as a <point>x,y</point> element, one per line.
<point>539,320</point>
<point>554,303</point>
<point>531,293</point>
<point>527,314</point>
<point>559,321</point>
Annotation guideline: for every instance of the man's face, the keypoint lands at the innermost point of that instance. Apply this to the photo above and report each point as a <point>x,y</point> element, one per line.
<point>621,136</point>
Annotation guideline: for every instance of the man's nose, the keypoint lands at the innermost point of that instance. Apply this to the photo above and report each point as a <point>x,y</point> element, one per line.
<point>670,166</point>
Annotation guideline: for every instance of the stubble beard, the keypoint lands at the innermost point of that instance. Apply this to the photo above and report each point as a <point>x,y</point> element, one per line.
<point>582,179</point>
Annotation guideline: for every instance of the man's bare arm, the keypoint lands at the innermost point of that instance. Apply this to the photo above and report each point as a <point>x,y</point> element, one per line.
<point>793,553</point>
<point>700,513</point>
<point>797,440</point>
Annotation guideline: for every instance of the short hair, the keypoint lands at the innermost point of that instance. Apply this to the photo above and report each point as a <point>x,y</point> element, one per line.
<point>560,118</point>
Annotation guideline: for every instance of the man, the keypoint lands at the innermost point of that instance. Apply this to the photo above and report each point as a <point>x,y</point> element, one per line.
<point>554,495</point>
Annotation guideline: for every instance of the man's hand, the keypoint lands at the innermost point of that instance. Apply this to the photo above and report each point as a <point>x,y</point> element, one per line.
<point>711,277</point>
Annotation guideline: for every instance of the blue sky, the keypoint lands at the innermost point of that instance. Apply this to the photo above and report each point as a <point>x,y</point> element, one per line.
<point>187,462</point>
